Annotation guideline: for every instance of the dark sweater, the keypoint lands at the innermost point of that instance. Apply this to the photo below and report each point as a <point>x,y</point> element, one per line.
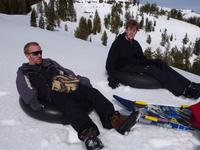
<point>123,53</point>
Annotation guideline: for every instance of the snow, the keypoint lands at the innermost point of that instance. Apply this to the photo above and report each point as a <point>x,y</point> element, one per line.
<point>20,132</point>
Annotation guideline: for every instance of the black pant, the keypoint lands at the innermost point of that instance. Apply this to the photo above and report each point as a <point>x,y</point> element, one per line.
<point>76,105</point>
<point>167,77</point>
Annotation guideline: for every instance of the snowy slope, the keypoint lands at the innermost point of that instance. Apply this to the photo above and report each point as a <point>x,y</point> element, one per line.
<point>20,132</point>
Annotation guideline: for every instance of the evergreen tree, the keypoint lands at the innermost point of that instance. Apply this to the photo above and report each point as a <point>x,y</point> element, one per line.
<point>15,6</point>
<point>197,47</point>
<point>196,66</point>
<point>177,57</point>
<point>51,15</point>
<point>171,37</point>
<point>96,23</point>
<point>41,22</point>
<point>141,22</point>
<point>89,22</point>
<point>167,58</point>
<point>71,11</point>
<point>164,38</point>
<point>107,21</point>
<point>186,52</point>
<point>104,38</point>
<point>66,27</point>
<point>33,18</point>
<point>154,23</point>
<point>158,54</point>
<point>82,32</point>
<point>148,39</point>
<point>148,25</point>
<point>116,22</point>
<point>40,8</point>
<point>62,9</point>
<point>127,15</point>
<point>148,53</point>
<point>185,39</point>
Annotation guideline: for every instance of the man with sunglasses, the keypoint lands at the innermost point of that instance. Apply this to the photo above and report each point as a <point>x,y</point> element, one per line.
<point>42,81</point>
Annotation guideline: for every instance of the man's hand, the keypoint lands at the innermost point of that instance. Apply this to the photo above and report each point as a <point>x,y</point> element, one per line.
<point>113,83</point>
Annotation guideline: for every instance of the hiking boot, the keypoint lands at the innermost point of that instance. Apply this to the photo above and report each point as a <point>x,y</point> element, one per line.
<point>192,91</point>
<point>93,143</point>
<point>90,132</point>
<point>124,123</point>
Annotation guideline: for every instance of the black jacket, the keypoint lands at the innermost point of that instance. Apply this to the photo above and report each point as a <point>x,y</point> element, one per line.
<point>43,73</point>
<point>124,53</point>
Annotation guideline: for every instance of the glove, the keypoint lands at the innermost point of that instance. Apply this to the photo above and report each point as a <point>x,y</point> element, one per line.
<point>113,83</point>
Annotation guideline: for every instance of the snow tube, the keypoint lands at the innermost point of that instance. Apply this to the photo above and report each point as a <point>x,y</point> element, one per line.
<point>137,80</point>
<point>50,113</point>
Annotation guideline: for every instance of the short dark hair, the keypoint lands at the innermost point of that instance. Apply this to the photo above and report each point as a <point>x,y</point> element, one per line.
<point>26,47</point>
<point>132,24</point>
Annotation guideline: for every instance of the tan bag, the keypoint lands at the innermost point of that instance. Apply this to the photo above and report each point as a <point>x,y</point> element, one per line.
<point>63,83</point>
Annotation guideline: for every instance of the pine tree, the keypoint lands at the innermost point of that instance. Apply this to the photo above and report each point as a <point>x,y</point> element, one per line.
<point>177,57</point>
<point>127,15</point>
<point>71,11</point>
<point>89,22</point>
<point>96,23</point>
<point>33,18</point>
<point>107,21</point>
<point>41,22</point>
<point>164,38</point>
<point>158,54</point>
<point>141,24</point>
<point>148,27</point>
<point>116,22</point>
<point>51,16</point>
<point>185,39</point>
<point>66,27</point>
<point>148,53</point>
<point>197,47</point>
<point>62,9</point>
<point>104,38</point>
<point>196,66</point>
<point>171,37</point>
<point>40,8</point>
<point>82,32</point>
<point>148,39</point>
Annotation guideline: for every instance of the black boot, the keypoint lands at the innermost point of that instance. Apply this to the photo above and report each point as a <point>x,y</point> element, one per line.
<point>90,139</point>
<point>93,143</point>
<point>192,91</point>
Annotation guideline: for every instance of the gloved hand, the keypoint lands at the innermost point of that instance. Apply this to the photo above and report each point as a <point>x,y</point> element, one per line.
<point>113,83</point>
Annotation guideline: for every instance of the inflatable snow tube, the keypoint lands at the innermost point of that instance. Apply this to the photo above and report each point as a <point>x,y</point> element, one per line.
<point>136,80</point>
<point>49,114</point>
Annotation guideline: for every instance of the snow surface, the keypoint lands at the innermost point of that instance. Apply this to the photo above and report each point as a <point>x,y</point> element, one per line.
<point>20,132</point>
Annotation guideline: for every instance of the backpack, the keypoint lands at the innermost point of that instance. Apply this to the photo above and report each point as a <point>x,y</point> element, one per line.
<point>64,83</point>
<point>195,118</point>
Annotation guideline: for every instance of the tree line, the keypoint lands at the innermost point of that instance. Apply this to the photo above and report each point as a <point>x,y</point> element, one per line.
<point>16,6</point>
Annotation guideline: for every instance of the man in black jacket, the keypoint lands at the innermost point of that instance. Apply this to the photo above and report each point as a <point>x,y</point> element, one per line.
<point>42,81</point>
<point>126,56</point>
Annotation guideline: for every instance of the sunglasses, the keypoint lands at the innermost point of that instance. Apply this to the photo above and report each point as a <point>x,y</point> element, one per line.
<point>36,53</point>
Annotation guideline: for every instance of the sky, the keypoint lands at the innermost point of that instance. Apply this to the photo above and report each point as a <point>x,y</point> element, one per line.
<point>178,4</point>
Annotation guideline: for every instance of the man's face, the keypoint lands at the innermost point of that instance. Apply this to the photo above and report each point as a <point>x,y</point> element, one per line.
<point>131,32</point>
<point>34,55</point>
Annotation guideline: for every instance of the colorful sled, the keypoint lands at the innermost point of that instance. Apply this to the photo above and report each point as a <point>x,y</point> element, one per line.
<point>159,115</point>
